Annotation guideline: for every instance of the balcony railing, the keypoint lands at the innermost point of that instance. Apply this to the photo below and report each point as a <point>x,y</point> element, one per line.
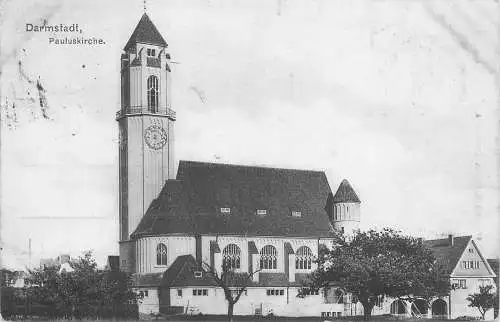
<point>144,110</point>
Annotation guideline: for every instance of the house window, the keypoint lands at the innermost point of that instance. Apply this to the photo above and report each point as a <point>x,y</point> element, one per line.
<point>275,292</point>
<point>200,292</point>
<point>471,250</point>
<point>268,258</point>
<point>303,259</point>
<point>459,284</point>
<point>261,212</point>
<point>179,292</point>
<point>296,214</point>
<point>225,210</point>
<point>161,255</point>
<point>151,52</point>
<point>153,94</point>
<point>476,264</point>
<point>146,293</point>
<point>231,256</point>
<point>484,282</point>
<point>198,274</point>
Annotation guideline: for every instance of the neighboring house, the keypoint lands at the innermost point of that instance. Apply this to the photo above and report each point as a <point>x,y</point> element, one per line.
<point>494,264</point>
<point>461,258</point>
<point>10,278</point>
<point>62,262</point>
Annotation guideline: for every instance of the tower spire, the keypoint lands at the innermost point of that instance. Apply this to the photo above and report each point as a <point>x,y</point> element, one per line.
<point>145,9</point>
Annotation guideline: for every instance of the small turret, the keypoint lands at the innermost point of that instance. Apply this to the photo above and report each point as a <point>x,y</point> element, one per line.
<point>345,213</point>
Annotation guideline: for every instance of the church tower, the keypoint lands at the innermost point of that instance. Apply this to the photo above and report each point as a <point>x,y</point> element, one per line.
<point>146,124</point>
<point>345,209</point>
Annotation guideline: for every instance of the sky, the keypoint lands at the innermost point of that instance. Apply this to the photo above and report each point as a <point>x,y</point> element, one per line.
<point>399,97</point>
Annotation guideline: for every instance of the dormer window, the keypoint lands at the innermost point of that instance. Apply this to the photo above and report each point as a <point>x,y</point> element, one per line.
<point>198,274</point>
<point>226,211</point>
<point>151,52</point>
<point>261,212</point>
<point>296,214</point>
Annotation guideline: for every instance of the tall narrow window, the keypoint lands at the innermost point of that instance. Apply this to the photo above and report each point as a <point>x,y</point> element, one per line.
<point>303,259</point>
<point>153,94</point>
<point>268,258</point>
<point>161,254</point>
<point>231,256</point>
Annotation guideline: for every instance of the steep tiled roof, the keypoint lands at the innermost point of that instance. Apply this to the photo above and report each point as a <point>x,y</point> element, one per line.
<point>146,33</point>
<point>345,193</point>
<point>145,280</point>
<point>191,203</point>
<point>494,264</point>
<point>181,273</point>
<point>446,254</point>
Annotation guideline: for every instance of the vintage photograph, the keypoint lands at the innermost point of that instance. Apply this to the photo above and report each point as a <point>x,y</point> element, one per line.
<point>249,160</point>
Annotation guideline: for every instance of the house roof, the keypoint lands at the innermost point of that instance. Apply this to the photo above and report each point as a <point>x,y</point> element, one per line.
<point>345,193</point>
<point>146,33</point>
<point>191,203</point>
<point>147,280</point>
<point>446,254</point>
<point>494,264</point>
<point>181,274</point>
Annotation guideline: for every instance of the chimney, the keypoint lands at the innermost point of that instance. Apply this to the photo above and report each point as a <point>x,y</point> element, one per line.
<point>198,250</point>
<point>451,240</point>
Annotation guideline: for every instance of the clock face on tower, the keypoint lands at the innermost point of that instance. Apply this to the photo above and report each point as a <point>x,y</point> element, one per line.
<point>155,137</point>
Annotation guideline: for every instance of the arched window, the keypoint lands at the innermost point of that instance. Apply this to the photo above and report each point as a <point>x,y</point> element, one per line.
<point>153,93</point>
<point>161,254</point>
<point>231,256</point>
<point>303,258</point>
<point>268,257</point>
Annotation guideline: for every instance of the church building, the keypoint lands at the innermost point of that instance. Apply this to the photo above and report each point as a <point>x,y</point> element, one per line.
<point>177,216</point>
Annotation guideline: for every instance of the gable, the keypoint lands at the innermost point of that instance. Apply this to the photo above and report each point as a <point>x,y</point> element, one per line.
<point>192,203</point>
<point>472,263</point>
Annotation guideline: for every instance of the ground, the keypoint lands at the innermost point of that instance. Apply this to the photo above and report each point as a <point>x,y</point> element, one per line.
<point>263,319</point>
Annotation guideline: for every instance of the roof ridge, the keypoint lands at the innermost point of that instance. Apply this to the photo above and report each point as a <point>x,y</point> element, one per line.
<point>446,238</point>
<point>249,166</point>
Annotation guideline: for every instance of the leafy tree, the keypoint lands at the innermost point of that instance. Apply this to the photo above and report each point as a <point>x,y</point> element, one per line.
<point>484,300</point>
<point>234,284</point>
<point>372,265</point>
<point>84,292</point>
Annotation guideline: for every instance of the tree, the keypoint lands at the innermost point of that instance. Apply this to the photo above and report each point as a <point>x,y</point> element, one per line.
<point>233,283</point>
<point>484,300</point>
<point>372,265</point>
<point>84,292</point>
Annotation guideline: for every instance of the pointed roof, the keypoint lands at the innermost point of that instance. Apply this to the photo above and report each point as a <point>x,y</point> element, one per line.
<point>345,193</point>
<point>146,33</point>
